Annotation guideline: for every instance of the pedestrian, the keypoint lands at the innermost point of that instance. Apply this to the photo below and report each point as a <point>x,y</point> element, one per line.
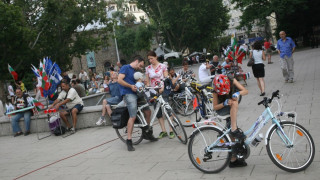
<point>204,76</point>
<point>83,76</point>
<point>215,64</point>
<point>258,67</point>
<point>286,48</point>
<point>267,47</point>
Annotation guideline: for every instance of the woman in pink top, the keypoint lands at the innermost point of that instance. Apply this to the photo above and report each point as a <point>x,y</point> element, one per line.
<point>156,72</point>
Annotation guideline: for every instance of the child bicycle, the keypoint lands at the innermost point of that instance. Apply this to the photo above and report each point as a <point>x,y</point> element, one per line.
<point>289,145</point>
<point>169,114</point>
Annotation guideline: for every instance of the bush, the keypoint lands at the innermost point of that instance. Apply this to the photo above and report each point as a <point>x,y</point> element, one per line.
<point>175,62</point>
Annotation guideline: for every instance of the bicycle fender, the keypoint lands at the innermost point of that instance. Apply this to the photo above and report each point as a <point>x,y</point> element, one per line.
<point>267,134</point>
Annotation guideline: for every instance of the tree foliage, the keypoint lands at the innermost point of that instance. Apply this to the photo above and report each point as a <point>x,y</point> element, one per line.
<point>33,29</point>
<point>296,17</point>
<point>187,23</point>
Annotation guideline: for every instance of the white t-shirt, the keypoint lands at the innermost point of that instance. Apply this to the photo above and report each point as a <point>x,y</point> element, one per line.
<point>203,72</point>
<point>83,76</point>
<point>73,96</point>
<point>257,55</point>
<point>10,89</point>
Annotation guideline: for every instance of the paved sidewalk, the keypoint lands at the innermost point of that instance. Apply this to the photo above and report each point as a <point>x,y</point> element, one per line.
<point>97,153</point>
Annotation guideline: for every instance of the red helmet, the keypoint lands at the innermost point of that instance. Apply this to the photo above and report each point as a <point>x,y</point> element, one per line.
<point>221,84</point>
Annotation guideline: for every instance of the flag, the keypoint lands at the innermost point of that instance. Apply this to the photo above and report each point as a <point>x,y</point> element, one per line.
<point>13,73</point>
<point>35,70</point>
<point>38,104</point>
<point>240,53</point>
<point>48,65</point>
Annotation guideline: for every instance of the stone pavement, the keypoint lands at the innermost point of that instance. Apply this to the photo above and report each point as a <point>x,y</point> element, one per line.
<point>97,153</point>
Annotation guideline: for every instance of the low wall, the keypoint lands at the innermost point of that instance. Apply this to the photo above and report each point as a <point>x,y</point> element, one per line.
<point>86,118</point>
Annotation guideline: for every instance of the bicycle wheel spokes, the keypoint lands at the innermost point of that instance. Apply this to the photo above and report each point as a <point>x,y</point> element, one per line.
<point>208,162</point>
<point>136,135</point>
<point>176,125</point>
<point>291,157</point>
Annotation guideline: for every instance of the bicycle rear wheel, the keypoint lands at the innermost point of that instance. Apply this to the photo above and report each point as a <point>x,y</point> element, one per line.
<point>293,158</point>
<point>136,134</point>
<point>175,124</point>
<point>208,162</point>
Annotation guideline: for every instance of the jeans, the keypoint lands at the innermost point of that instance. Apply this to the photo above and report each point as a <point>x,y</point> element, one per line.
<point>15,121</point>
<point>131,101</point>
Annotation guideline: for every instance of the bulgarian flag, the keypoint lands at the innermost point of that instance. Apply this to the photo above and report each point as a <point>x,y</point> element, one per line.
<point>38,104</point>
<point>240,53</point>
<point>13,73</point>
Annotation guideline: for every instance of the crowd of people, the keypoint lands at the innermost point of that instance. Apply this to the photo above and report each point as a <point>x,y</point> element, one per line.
<point>124,82</point>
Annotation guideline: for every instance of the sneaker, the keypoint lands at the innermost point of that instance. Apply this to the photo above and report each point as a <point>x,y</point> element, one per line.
<point>290,81</point>
<point>237,163</point>
<point>238,134</point>
<point>100,121</point>
<point>152,138</point>
<point>129,145</point>
<point>162,135</point>
<point>171,135</point>
<point>17,134</point>
<point>262,94</point>
<point>72,130</point>
<point>26,133</point>
<point>270,62</point>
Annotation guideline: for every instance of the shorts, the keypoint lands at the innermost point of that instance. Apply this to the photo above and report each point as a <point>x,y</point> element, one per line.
<point>258,70</point>
<point>159,114</point>
<point>132,102</point>
<point>269,51</point>
<point>114,100</point>
<point>79,107</point>
<point>224,111</point>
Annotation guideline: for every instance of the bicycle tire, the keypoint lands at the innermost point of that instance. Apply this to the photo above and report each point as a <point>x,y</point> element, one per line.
<point>176,125</point>
<point>298,134</point>
<point>199,140</point>
<point>136,134</point>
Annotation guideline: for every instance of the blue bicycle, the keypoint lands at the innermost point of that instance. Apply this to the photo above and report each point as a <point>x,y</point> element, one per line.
<point>289,145</point>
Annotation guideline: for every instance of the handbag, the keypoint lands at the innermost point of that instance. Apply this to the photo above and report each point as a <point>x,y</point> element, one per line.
<point>250,62</point>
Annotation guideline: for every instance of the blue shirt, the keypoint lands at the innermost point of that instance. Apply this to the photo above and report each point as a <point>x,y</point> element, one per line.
<point>285,47</point>
<point>128,71</point>
<point>114,89</point>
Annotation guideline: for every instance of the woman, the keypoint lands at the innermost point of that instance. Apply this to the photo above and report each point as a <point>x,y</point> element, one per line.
<point>258,67</point>
<point>225,101</point>
<point>106,83</point>
<point>185,71</point>
<point>155,73</point>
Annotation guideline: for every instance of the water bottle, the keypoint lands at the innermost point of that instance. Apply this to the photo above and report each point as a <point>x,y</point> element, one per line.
<point>257,140</point>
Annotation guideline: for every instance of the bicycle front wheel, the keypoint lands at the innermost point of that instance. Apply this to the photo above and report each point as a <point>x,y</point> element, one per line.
<point>176,125</point>
<point>136,134</point>
<point>292,158</point>
<point>208,162</point>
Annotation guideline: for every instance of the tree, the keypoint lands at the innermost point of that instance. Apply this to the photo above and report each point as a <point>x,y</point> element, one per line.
<point>187,23</point>
<point>296,17</point>
<point>33,29</point>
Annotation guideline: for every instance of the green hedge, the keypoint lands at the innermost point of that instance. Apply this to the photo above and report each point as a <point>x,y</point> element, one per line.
<point>175,62</point>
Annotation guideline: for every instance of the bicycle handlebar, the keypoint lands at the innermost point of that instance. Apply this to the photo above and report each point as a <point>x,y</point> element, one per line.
<point>267,101</point>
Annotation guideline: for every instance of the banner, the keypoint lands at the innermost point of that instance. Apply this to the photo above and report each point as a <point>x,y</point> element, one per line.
<point>91,61</point>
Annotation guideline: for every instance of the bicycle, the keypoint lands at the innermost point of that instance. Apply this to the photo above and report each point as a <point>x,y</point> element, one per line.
<point>141,122</point>
<point>289,145</point>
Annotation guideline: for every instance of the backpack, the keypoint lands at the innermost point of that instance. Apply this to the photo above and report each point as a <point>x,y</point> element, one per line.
<point>120,117</point>
<point>59,130</point>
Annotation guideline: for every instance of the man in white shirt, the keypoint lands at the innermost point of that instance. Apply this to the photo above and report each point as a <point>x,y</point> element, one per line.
<point>204,76</point>
<point>72,100</point>
<point>83,76</point>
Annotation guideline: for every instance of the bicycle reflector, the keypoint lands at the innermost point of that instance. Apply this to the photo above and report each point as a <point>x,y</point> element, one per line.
<point>300,133</point>
<point>279,157</point>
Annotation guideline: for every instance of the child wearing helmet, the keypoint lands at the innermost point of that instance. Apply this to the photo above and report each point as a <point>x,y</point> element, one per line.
<point>225,101</point>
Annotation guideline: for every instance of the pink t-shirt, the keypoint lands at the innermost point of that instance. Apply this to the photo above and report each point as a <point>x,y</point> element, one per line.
<point>156,74</point>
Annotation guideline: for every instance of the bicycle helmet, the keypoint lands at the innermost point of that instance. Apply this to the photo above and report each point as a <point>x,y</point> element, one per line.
<point>221,84</point>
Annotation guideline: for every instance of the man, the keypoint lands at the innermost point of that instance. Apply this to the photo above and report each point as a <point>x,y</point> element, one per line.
<point>128,92</point>
<point>203,72</point>
<point>286,47</point>
<point>69,97</point>
<point>267,47</point>
<point>215,64</point>
<point>21,102</point>
<point>83,76</point>
<point>78,87</point>
<point>66,76</point>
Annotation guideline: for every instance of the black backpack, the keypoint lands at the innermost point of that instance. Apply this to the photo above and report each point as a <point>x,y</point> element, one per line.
<point>59,130</point>
<point>120,117</point>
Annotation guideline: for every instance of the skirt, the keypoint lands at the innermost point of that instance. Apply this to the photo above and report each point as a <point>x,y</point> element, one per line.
<point>258,70</point>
